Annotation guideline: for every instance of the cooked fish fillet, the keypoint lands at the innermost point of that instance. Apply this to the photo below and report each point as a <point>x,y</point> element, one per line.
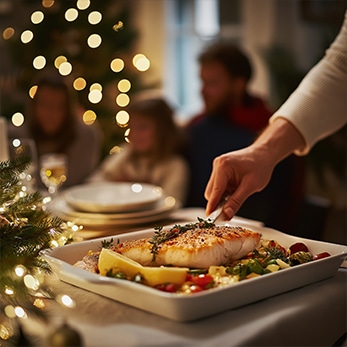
<point>195,248</point>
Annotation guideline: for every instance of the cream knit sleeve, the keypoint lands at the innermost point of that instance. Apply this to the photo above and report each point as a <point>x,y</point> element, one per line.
<point>318,107</point>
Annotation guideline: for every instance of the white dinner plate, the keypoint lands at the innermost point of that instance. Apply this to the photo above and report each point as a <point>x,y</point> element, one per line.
<point>185,308</point>
<point>113,196</point>
<point>162,209</point>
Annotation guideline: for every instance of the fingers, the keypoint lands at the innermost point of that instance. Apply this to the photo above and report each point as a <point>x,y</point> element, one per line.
<point>236,200</point>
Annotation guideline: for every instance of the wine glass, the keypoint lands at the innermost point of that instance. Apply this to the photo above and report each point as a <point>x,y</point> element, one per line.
<point>53,171</point>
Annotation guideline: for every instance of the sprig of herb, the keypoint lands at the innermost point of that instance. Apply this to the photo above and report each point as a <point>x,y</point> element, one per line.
<point>107,244</point>
<point>160,236</point>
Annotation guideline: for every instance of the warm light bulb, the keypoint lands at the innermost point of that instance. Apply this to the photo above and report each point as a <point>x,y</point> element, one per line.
<point>17,119</point>
<point>117,65</point>
<point>71,14</point>
<point>37,17</point>
<point>8,33</point>
<point>79,83</point>
<point>26,36</point>
<point>59,60</point>
<point>39,62</point>
<point>95,96</point>
<point>96,86</point>
<point>89,117</point>
<point>124,85</point>
<point>94,40</point>
<point>47,3</point>
<point>122,118</point>
<point>122,100</point>
<point>32,91</point>
<point>65,68</point>
<point>83,4</point>
<point>94,17</point>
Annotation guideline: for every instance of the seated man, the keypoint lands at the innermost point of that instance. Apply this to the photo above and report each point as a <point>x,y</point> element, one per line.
<point>231,119</point>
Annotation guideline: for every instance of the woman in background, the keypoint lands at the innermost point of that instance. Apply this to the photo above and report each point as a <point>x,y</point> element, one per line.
<point>153,152</point>
<point>53,123</point>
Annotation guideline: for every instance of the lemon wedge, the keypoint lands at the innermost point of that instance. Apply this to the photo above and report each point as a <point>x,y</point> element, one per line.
<point>111,260</point>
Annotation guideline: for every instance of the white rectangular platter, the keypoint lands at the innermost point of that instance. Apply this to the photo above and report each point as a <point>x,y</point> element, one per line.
<point>185,308</point>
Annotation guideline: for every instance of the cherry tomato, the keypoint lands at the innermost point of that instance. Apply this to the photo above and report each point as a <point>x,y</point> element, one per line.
<point>195,288</point>
<point>201,280</point>
<point>166,287</point>
<point>298,247</point>
<point>321,255</point>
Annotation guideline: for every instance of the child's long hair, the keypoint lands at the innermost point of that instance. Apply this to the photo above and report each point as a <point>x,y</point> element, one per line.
<point>168,135</point>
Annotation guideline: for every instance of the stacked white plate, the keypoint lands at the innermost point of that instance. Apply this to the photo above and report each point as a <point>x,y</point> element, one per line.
<point>100,206</point>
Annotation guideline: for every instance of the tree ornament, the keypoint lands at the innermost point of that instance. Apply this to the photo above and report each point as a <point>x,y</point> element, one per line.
<point>65,336</point>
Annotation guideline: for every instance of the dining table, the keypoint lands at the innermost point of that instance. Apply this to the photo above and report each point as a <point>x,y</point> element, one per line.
<point>312,315</point>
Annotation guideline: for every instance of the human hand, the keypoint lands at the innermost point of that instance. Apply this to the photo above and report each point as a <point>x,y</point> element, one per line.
<point>241,173</point>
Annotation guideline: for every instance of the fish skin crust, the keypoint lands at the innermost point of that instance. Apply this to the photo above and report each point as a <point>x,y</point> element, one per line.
<point>195,248</point>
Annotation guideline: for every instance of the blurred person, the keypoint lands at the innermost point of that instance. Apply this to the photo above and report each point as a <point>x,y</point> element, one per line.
<point>231,119</point>
<point>315,110</point>
<point>154,152</point>
<point>53,122</point>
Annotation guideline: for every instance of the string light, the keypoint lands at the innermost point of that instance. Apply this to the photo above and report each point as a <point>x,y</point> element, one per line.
<point>117,65</point>
<point>17,119</point>
<point>32,91</point>
<point>122,118</point>
<point>94,17</point>
<point>39,62</point>
<point>94,40</point>
<point>27,36</point>
<point>59,60</point>
<point>141,62</point>
<point>122,100</point>
<point>47,3</point>
<point>8,33</point>
<point>83,4</point>
<point>95,96</point>
<point>65,68</point>
<point>124,85</point>
<point>71,14</point>
<point>37,17</point>
<point>79,83</point>
<point>96,86</point>
<point>89,117</point>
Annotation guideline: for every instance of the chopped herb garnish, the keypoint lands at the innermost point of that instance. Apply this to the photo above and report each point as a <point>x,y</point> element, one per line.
<point>107,244</point>
<point>160,236</point>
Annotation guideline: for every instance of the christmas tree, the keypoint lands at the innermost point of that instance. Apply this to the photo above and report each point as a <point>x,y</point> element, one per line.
<point>90,42</point>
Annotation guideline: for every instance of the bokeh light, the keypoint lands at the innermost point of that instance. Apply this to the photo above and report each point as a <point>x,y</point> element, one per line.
<point>117,65</point>
<point>59,60</point>
<point>37,17</point>
<point>96,86</point>
<point>122,118</point>
<point>95,96</point>
<point>94,40</point>
<point>17,119</point>
<point>94,17</point>
<point>118,26</point>
<point>39,62</point>
<point>122,100</point>
<point>32,91</point>
<point>47,3</point>
<point>79,83</point>
<point>65,68</point>
<point>8,33</point>
<point>71,14</point>
<point>26,36</point>
<point>124,85</point>
<point>89,117</point>
<point>83,4</point>
<point>141,62</point>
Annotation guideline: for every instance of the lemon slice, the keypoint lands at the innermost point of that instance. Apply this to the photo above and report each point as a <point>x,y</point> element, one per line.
<point>110,260</point>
